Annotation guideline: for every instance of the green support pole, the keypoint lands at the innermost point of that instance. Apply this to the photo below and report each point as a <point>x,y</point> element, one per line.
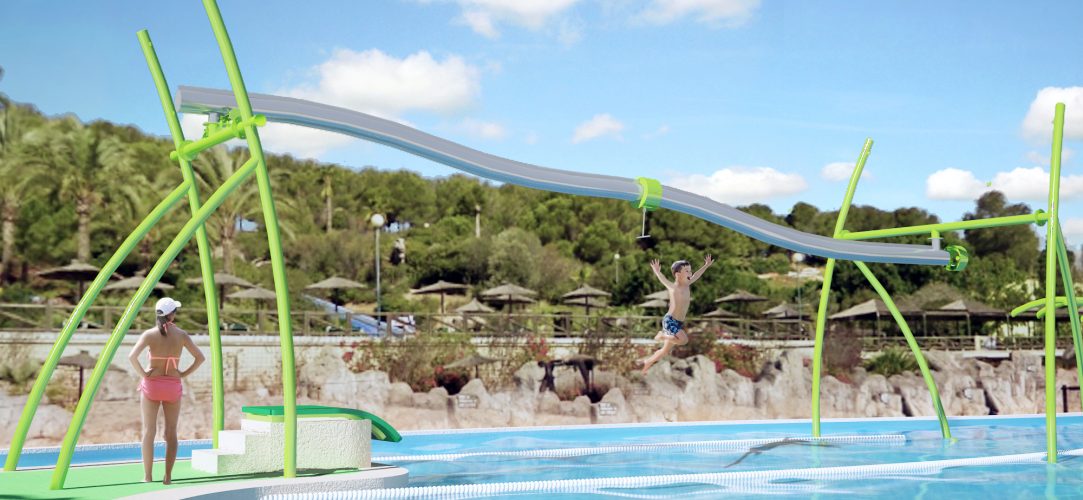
<point>270,218</point>
<point>67,448</point>
<point>825,290</point>
<point>913,343</point>
<point>1052,231</point>
<point>1073,306</point>
<point>210,290</point>
<point>47,368</point>
<point>1038,217</point>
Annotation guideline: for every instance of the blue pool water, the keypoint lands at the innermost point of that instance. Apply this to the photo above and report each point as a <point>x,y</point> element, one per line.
<point>995,457</point>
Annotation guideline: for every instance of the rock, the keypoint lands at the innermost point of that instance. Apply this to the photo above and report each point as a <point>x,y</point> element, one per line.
<point>400,394</point>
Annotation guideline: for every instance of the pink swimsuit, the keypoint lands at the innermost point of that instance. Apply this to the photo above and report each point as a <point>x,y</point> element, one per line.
<point>162,388</point>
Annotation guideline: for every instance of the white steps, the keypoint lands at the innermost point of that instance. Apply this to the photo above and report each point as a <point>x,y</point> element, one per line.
<point>322,443</point>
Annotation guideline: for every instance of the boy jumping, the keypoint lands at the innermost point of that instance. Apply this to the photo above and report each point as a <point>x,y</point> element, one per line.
<point>680,295</point>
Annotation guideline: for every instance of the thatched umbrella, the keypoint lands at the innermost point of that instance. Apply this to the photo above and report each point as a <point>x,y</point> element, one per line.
<point>133,283</point>
<point>83,361</point>
<point>472,361</point>
<point>474,307</point>
<point>721,313</point>
<point>662,295</point>
<point>508,294</point>
<point>222,280</point>
<point>259,295</point>
<point>335,284</point>
<point>654,304</point>
<point>76,271</point>
<point>781,311</point>
<point>441,287</point>
<point>742,297</point>
<point>587,303</point>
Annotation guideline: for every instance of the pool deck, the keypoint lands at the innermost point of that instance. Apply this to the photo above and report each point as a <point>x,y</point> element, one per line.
<point>124,480</point>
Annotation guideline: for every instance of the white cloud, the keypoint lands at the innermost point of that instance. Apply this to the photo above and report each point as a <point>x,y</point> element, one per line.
<point>1066,154</point>
<point>719,13</point>
<point>483,16</point>
<point>281,138</point>
<point>599,126</point>
<point>380,84</point>
<point>1038,124</point>
<point>841,171</point>
<point>484,130</point>
<point>662,130</point>
<point>1073,232</point>
<point>740,185</point>
<point>1021,183</point>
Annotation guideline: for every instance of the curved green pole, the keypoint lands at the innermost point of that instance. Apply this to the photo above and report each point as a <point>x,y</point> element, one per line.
<point>1052,232</point>
<point>922,365</point>
<point>1073,305</point>
<point>825,290</point>
<point>274,242</point>
<point>46,371</point>
<point>67,448</point>
<point>210,291</point>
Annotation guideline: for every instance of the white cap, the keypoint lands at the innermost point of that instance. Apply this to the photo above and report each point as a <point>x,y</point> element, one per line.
<point>165,306</point>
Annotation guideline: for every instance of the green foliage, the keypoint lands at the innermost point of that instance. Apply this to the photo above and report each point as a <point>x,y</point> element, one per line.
<point>516,258</point>
<point>892,361</point>
<point>1018,243</point>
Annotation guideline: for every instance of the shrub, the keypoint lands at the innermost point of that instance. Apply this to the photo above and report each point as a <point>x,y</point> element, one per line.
<point>417,361</point>
<point>842,353</point>
<point>892,361</point>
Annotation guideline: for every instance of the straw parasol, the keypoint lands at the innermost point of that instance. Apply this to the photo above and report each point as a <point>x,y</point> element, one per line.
<point>257,294</point>
<point>508,294</point>
<point>222,280</point>
<point>133,283</point>
<point>472,361</point>
<point>79,272</point>
<point>474,307</point>
<point>654,304</point>
<point>781,311</point>
<point>335,284</point>
<point>721,313</point>
<point>662,295</point>
<point>741,297</point>
<point>441,287</point>
<point>587,303</point>
<point>83,361</point>
<point>586,296</point>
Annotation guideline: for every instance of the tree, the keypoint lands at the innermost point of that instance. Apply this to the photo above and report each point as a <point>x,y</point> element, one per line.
<point>82,166</point>
<point>516,257</point>
<point>1018,243</point>
<point>16,185</point>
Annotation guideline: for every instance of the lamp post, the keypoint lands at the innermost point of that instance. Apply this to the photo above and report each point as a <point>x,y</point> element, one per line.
<point>616,264</point>
<point>377,221</point>
<point>477,221</point>
<point>799,258</point>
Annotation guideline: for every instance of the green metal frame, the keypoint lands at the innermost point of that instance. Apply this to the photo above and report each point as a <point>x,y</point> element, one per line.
<point>210,290</point>
<point>242,123</point>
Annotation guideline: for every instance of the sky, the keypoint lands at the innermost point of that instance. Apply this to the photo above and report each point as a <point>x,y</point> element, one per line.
<point>744,101</point>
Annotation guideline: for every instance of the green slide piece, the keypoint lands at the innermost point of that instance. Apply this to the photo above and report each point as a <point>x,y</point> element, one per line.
<point>381,430</point>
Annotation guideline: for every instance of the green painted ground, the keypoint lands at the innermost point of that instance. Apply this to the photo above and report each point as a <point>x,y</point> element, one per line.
<point>113,481</point>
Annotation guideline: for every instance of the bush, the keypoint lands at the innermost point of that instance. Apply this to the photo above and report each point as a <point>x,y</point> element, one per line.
<point>842,353</point>
<point>892,361</point>
<point>417,361</point>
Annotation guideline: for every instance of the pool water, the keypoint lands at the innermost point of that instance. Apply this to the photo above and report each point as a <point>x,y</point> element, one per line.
<point>991,457</point>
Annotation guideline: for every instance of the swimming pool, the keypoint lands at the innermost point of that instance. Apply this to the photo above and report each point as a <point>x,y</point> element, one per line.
<point>998,457</point>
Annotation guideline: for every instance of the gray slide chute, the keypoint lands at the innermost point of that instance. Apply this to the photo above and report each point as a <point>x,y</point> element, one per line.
<point>413,141</point>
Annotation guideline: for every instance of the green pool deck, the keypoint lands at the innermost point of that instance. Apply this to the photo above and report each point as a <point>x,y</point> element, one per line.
<point>120,480</point>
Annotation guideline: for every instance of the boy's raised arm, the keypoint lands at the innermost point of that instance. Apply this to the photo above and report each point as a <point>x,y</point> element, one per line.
<point>656,267</point>
<point>707,261</point>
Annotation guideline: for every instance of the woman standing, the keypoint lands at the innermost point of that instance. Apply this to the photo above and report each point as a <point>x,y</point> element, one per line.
<point>161,382</point>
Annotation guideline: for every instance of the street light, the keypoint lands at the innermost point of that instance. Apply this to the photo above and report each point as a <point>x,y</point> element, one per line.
<point>377,221</point>
<point>799,258</point>
<point>616,263</point>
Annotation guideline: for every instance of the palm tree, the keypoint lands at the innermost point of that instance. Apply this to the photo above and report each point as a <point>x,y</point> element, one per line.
<point>141,193</point>
<point>16,184</point>
<point>82,166</point>
<point>212,170</point>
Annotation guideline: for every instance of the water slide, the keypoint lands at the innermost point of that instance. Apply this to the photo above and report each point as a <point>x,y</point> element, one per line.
<point>360,322</point>
<point>368,127</point>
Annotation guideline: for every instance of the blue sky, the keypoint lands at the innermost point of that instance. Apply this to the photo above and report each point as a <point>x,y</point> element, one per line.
<point>742,100</point>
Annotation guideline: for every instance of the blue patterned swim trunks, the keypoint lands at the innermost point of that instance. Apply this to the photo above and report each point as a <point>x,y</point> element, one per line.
<point>671,325</point>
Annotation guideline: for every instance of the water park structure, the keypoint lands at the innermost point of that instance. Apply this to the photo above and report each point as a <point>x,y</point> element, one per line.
<point>236,114</point>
